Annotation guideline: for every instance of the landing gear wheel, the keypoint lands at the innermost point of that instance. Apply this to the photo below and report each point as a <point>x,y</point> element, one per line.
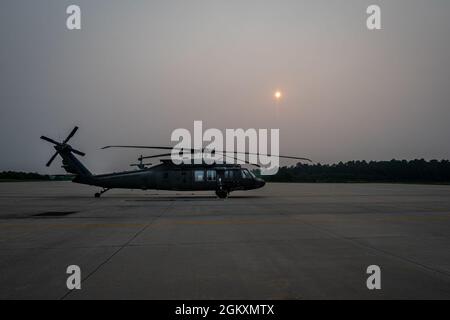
<point>98,194</point>
<point>222,194</point>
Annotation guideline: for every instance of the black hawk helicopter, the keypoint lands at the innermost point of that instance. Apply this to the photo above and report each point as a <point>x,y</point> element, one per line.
<point>221,178</point>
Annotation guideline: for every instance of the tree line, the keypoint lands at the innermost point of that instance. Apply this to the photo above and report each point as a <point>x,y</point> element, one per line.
<point>412,171</point>
<point>20,176</point>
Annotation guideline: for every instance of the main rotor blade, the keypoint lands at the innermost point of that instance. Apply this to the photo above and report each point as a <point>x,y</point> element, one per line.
<point>237,159</point>
<point>70,134</point>
<point>270,155</point>
<point>141,147</point>
<point>169,154</point>
<point>209,150</point>
<point>256,154</point>
<point>50,140</point>
<point>78,152</point>
<point>156,156</point>
<point>224,155</point>
<point>51,159</point>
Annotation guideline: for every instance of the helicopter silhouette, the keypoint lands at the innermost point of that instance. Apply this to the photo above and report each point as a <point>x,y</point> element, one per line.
<point>220,178</point>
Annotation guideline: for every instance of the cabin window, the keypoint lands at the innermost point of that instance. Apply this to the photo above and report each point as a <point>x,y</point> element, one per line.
<point>199,175</point>
<point>211,175</point>
<point>228,174</point>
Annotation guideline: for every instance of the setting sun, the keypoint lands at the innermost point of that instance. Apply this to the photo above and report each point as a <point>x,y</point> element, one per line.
<point>278,95</point>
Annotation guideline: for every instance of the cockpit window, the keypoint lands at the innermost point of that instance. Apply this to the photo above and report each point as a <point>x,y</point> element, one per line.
<point>246,174</point>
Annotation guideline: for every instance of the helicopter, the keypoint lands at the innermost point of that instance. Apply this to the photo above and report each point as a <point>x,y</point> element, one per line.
<point>220,178</point>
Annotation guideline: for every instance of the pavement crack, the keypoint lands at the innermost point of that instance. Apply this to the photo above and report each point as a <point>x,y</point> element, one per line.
<point>363,245</point>
<point>120,248</point>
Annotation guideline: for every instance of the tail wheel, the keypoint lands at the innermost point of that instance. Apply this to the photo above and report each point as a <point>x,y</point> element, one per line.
<point>222,194</point>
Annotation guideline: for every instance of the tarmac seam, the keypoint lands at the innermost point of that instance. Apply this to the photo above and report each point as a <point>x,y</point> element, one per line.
<point>119,249</point>
<point>353,241</point>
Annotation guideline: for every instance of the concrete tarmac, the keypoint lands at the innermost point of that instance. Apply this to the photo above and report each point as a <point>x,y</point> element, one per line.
<point>285,241</point>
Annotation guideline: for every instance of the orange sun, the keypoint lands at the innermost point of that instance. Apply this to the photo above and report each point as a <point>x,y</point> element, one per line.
<point>278,95</point>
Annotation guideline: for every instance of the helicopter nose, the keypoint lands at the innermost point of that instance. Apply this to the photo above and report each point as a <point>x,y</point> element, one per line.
<point>260,183</point>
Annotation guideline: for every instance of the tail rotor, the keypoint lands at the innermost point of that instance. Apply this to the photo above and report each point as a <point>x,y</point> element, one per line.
<point>62,146</point>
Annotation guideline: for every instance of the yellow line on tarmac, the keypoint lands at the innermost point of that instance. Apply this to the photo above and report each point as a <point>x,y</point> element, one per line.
<point>140,225</point>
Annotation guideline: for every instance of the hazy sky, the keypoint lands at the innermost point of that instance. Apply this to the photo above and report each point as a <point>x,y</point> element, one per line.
<point>139,69</point>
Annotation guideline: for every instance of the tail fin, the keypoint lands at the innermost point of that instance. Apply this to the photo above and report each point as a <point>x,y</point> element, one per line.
<point>70,163</point>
